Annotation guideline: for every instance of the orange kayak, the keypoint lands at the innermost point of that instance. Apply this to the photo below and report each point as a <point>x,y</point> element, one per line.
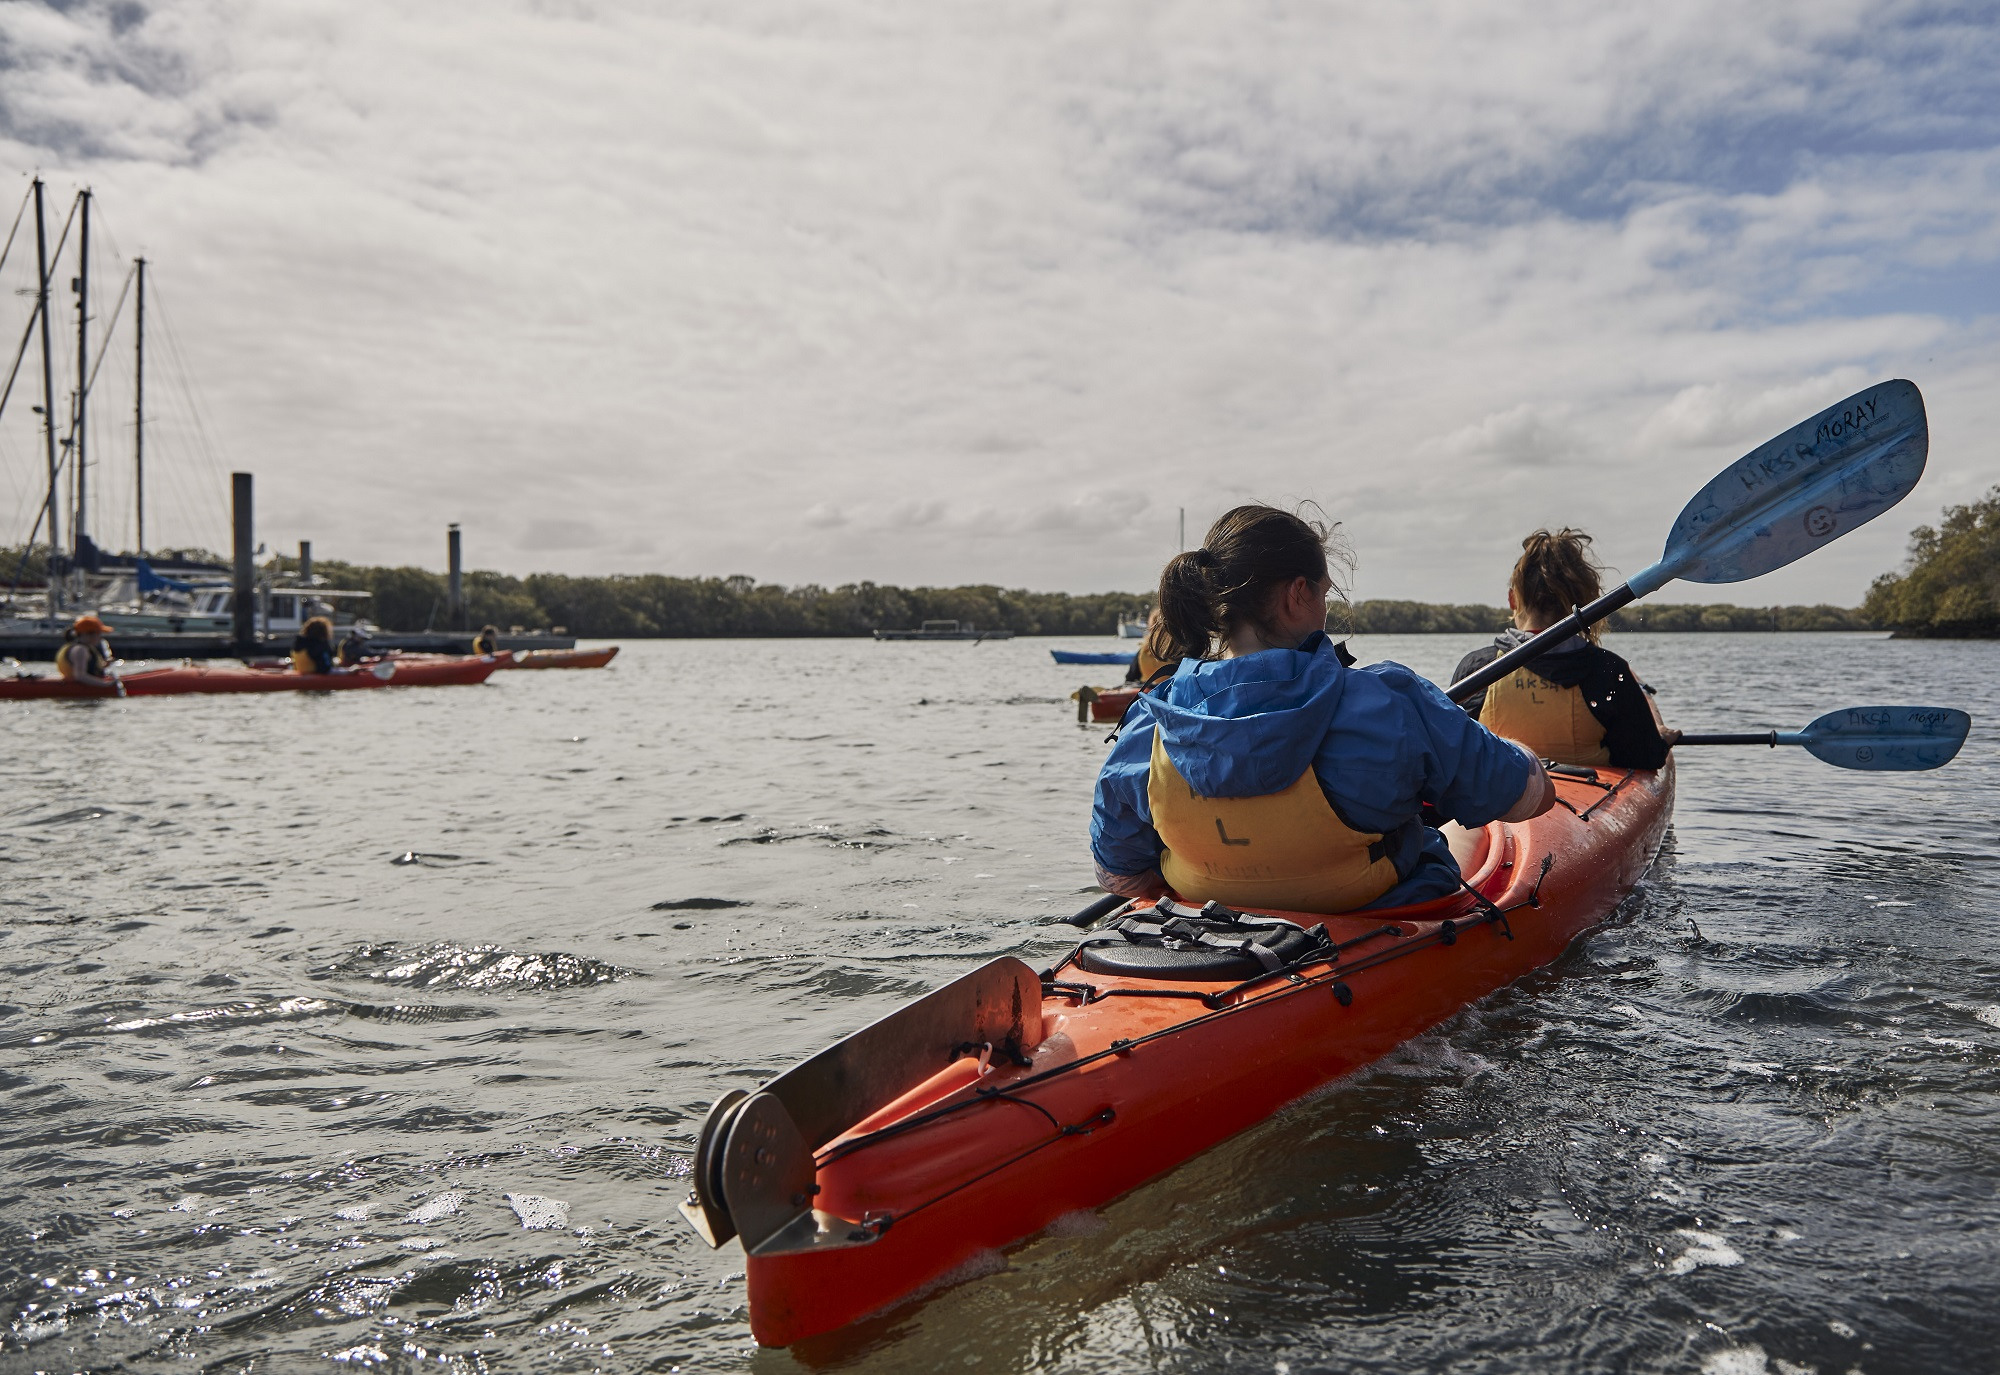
<point>562,658</point>
<point>1104,704</point>
<point>442,672</point>
<point>980,1114</point>
<point>210,678</point>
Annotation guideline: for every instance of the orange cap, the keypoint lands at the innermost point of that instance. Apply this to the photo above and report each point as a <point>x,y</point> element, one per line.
<point>90,625</point>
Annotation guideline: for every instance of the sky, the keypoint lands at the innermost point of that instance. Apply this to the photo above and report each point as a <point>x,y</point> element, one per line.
<point>946,292</point>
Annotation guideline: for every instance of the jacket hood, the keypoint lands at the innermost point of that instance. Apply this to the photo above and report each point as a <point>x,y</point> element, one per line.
<point>1250,726</point>
<point>1513,638</point>
<point>1566,663</point>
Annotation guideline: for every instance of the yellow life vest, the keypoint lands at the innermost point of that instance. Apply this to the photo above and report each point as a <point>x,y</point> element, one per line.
<point>1149,662</point>
<point>1555,722</point>
<point>485,645</point>
<point>302,662</point>
<point>1286,850</point>
<point>66,666</point>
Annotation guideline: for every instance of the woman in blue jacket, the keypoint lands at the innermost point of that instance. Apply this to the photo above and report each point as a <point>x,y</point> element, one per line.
<point>1272,773</point>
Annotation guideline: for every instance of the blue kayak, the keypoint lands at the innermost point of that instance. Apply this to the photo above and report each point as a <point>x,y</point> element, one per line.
<point>1072,656</point>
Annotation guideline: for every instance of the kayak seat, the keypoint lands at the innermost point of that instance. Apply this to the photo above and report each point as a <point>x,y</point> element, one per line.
<point>1212,944</point>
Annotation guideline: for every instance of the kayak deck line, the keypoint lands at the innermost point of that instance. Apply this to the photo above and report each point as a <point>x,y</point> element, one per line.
<point>1444,931</point>
<point>864,1174</point>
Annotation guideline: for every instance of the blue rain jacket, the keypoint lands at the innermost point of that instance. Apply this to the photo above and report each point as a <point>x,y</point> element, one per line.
<point>1381,739</point>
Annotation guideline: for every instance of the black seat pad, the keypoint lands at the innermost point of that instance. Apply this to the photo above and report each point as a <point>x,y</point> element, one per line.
<point>1154,957</point>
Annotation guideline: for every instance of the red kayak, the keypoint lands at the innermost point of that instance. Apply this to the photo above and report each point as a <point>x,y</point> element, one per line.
<point>562,658</point>
<point>181,679</point>
<point>1103,704</point>
<point>988,1109</point>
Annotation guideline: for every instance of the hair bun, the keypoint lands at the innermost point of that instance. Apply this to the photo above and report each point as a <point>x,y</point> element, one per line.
<point>1202,556</point>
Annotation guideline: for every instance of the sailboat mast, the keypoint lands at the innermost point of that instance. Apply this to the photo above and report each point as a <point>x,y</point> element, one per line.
<point>48,368</point>
<point>139,418</point>
<point>78,522</point>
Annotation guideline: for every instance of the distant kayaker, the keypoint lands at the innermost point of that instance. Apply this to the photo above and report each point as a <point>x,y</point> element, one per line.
<point>1579,703</point>
<point>1270,772</point>
<point>312,647</point>
<point>1147,663</point>
<point>354,646</point>
<point>85,654</point>
<point>487,641</point>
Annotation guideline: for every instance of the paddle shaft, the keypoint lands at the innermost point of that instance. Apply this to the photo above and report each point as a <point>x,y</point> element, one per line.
<point>1751,737</point>
<point>1104,906</point>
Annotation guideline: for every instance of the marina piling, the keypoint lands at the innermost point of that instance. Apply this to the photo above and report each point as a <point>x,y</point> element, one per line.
<point>455,593</point>
<point>246,571</point>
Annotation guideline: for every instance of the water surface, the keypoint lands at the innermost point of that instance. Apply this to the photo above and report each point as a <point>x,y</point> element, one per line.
<point>371,1030</point>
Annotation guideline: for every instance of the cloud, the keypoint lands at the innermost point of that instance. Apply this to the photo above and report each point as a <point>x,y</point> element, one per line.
<point>1011,283</point>
<point>1525,435</point>
<point>909,515</point>
<point>560,534</point>
<point>1736,413</point>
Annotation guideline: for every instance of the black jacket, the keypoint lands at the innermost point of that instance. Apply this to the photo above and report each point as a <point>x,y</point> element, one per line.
<point>321,652</point>
<point>1615,697</point>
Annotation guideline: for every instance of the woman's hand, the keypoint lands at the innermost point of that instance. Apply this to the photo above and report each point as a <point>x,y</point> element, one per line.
<point>1538,796</point>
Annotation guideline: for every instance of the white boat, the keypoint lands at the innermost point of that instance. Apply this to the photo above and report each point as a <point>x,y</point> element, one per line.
<point>284,610</point>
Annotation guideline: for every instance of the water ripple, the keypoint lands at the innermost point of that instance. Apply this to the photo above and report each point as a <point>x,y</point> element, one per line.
<point>446,965</point>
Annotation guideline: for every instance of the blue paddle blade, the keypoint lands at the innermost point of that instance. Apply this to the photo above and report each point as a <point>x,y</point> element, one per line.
<point>1808,487</point>
<point>1884,738</point>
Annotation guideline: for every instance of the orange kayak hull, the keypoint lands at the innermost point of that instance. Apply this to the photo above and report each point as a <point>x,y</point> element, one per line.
<point>1111,704</point>
<point>945,1190</point>
<point>204,678</point>
<point>562,658</point>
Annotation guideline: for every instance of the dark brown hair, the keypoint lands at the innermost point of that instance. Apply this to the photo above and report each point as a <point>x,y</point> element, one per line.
<point>318,628</point>
<point>1247,555</point>
<point>1554,574</point>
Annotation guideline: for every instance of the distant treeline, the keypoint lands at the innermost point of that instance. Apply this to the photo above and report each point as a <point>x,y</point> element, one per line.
<point>652,605</point>
<point>642,605</point>
<point>1418,618</point>
<point>1950,587</point>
